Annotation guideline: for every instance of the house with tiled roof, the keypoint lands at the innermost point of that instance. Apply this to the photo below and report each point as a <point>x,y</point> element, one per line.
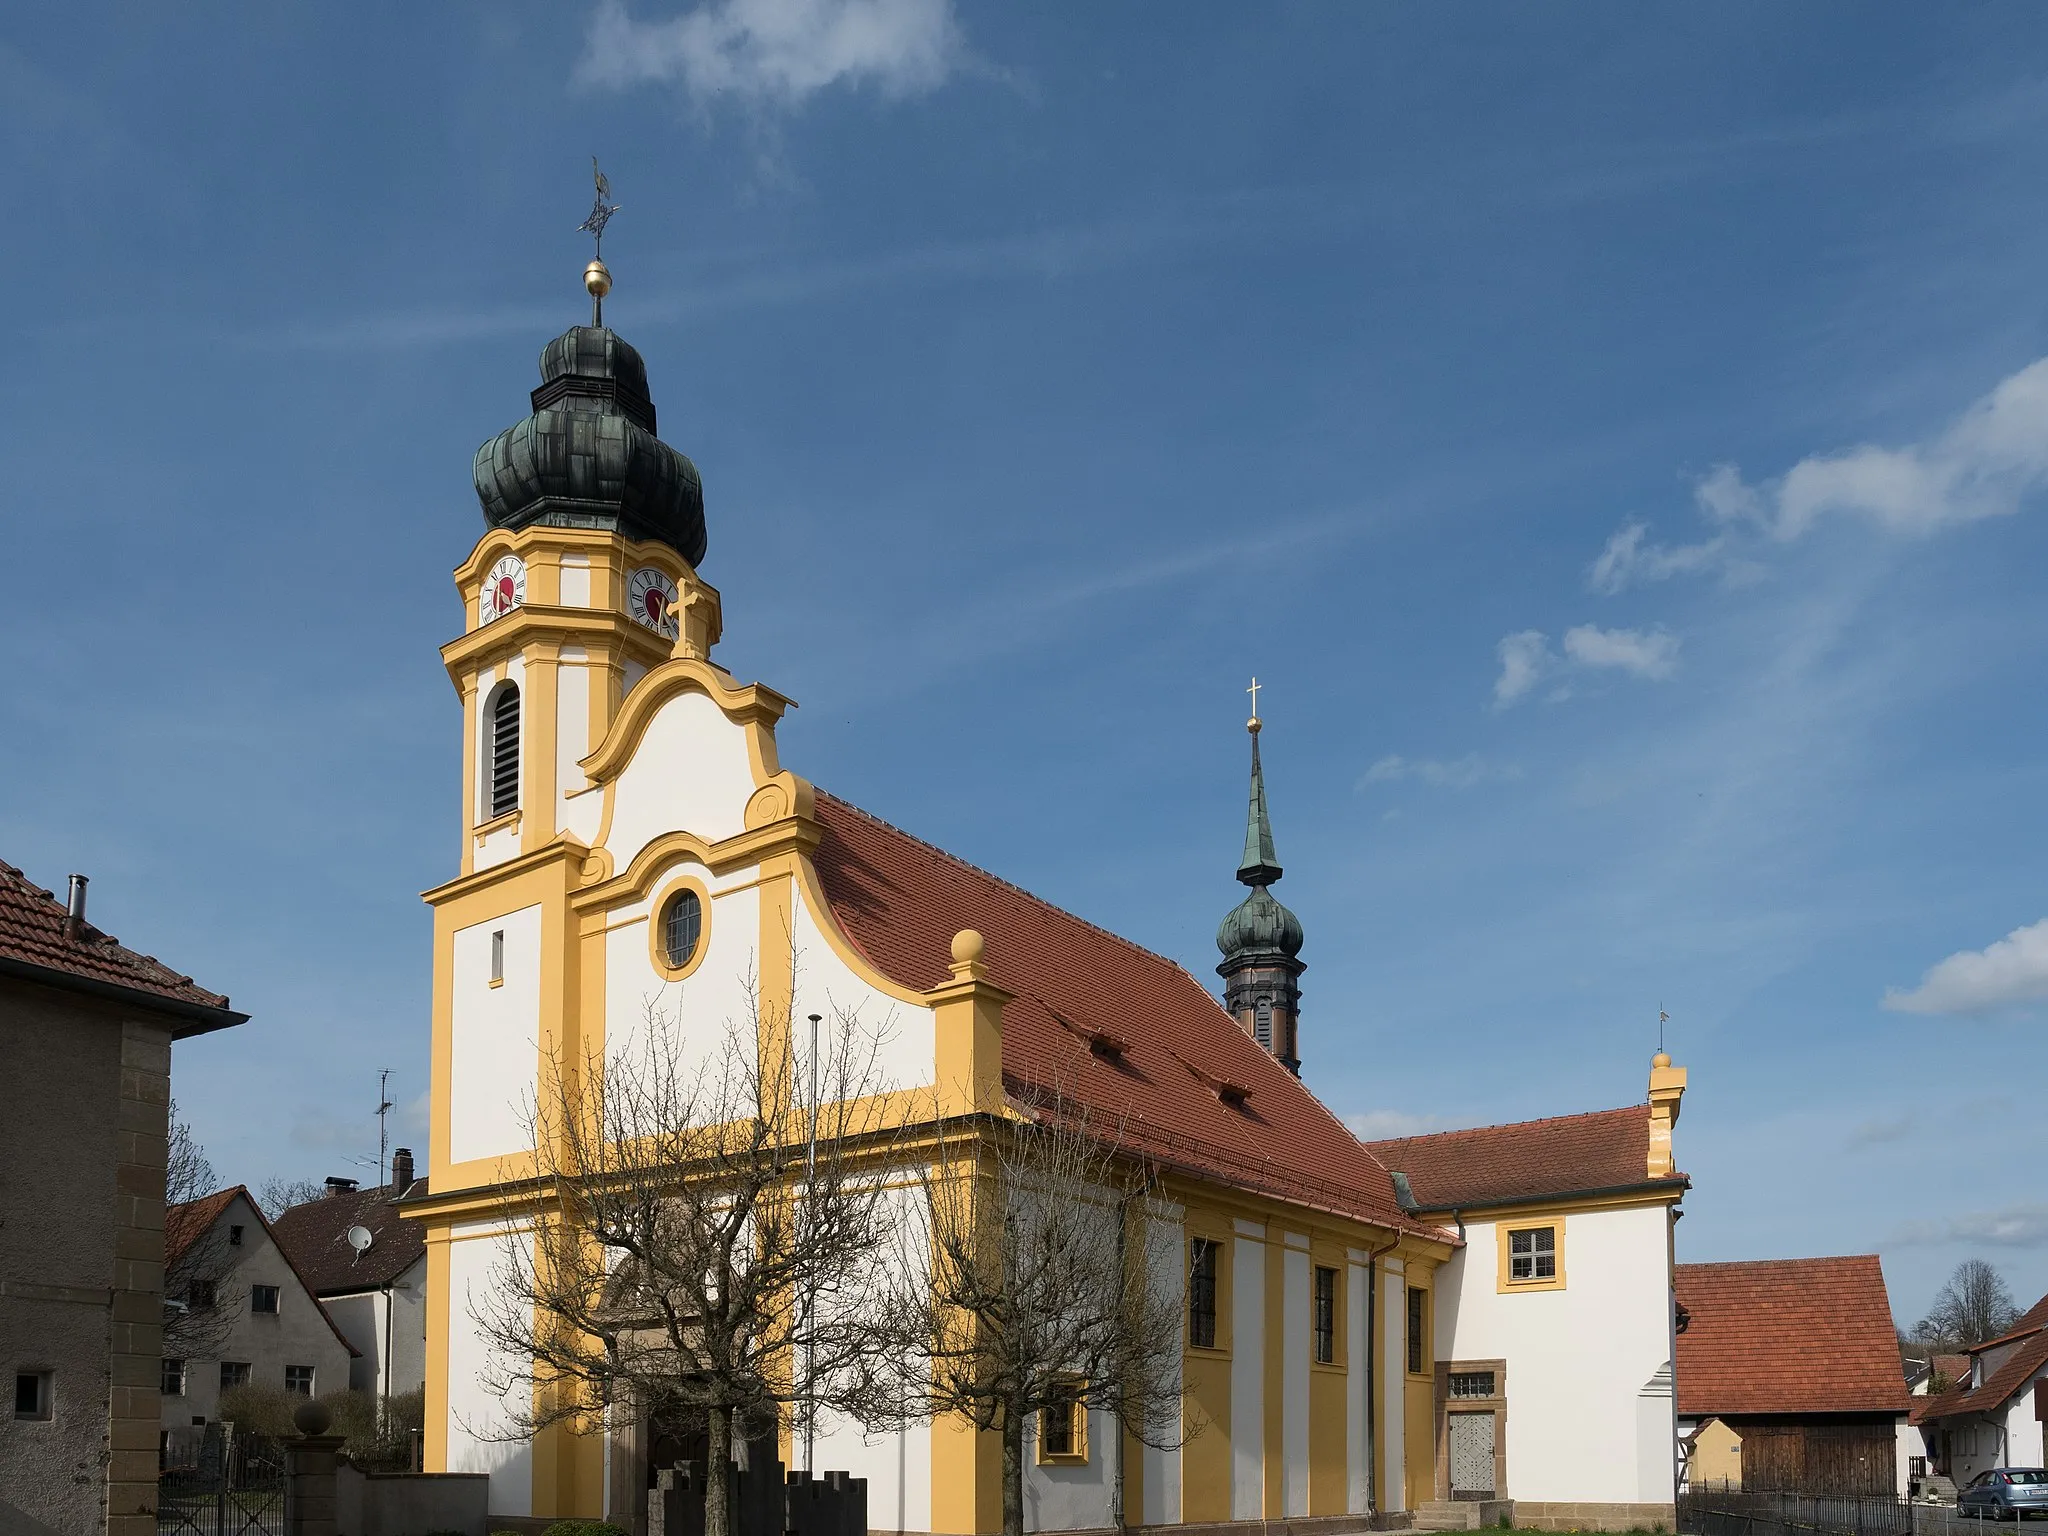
<point>275,1333</point>
<point>367,1264</point>
<point>1549,1377</point>
<point>1789,1378</point>
<point>86,1032</point>
<point>1996,1414</point>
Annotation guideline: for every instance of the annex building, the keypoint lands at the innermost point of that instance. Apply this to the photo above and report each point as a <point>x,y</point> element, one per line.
<point>1370,1328</point>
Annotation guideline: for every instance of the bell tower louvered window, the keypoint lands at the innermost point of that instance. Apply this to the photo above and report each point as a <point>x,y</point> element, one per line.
<point>1262,1022</point>
<point>505,751</point>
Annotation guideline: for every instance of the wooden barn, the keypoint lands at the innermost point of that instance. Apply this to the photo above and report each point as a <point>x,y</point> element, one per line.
<point>1788,1377</point>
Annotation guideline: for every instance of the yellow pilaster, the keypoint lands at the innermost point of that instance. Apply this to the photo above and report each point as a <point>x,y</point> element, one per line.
<point>1667,1088</point>
<point>1275,1396</point>
<point>967,1020</point>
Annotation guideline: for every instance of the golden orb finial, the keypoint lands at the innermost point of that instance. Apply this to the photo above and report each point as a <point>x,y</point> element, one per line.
<point>967,947</point>
<point>1661,1059</point>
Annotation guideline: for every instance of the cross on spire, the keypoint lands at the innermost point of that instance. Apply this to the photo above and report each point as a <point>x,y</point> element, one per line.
<point>1254,692</point>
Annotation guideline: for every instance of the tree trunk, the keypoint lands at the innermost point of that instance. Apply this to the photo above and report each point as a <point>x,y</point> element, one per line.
<point>718,1472</point>
<point>1013,1473</point>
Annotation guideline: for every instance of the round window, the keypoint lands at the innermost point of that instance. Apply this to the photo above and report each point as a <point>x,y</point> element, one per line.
<point>682,926</point>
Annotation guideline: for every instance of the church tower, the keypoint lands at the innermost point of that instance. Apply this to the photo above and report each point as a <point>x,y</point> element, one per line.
<point>1261,939</point>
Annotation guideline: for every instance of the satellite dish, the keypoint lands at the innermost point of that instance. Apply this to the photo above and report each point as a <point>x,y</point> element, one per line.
<point>359,1238</point>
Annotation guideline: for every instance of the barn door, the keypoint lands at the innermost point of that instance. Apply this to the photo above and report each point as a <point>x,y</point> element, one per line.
<point>1472,1448</point>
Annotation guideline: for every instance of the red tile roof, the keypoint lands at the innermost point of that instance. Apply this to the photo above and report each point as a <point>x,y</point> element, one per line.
<point>185,1224</point>
<point>1788,1336</point>
<point>34,943</point>
<point>1531,1160</point>
<point>1168,1042</point>
<point>315,1235</point>
<point>2013,1373</point>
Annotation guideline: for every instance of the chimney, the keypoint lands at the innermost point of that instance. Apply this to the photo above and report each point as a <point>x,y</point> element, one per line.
<point>401,1169</point>
<point>74,911</point>
<point>1667,1088</point>
<point>340,1186</point>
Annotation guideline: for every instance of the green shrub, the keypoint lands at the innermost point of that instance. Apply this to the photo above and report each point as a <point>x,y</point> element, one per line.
<point>585,1528</point>
<point>257,1410</point>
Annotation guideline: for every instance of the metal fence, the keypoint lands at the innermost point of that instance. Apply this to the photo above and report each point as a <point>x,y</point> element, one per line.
<point>223,1485</point>
<point>1707,1512</point>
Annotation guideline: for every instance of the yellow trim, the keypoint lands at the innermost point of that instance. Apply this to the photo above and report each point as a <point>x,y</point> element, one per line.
<point>1329,1480</point>
<point>657,927</point>
<point>755,705</point>
<point>1205,1380</point>
<point>1538,1211</point>
<point>1506,1280</point>
<point>1418,1395</point>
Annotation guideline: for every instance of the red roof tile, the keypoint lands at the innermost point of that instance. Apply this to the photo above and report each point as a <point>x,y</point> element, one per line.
<point>1168,1042</point>
<point>2012,1373</point>
<point>1502,1164</point>
<point>1788,1336</point>
<point>315,1235</point>
<point>33,937</point>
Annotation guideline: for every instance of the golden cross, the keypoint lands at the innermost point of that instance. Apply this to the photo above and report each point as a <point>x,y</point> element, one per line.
<point>1254,692</point>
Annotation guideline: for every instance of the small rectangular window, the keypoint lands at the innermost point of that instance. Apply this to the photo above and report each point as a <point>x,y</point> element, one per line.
<point>1532,1253</point>
<point>498,957</point>
<point>299,1379</point>
<point>1416,1314</point>
<point>32,1394</point>
<point>234,1373</point>
<point>1202,1292</point>
<point>1326,1316</point>
<point>173,1378</point>
<point>1063,1428</point>
<point>1471,1384</point>
<point>235,1236</point>
<point>263,1298</point>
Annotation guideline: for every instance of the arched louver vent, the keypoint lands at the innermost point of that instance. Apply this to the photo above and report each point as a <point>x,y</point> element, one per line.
<point>1262,1022</point>
<point>505,751</point>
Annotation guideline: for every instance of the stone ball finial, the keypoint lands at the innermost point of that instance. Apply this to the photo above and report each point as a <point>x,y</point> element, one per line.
<point>312,1417</point>
<point>967,948</point>
<point>1661,1059</point>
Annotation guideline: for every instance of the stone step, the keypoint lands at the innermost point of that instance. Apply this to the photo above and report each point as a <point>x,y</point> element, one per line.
<point>1464,1514</point>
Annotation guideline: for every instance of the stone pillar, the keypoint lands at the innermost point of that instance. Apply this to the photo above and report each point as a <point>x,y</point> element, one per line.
<point>314,1460</point>
<point>135,1344</point>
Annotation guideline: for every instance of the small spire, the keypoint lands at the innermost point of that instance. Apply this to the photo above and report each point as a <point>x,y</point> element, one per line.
<point>1261,866</point>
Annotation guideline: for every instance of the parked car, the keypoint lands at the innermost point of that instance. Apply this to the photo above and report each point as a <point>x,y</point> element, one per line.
<point>2006,1493</point>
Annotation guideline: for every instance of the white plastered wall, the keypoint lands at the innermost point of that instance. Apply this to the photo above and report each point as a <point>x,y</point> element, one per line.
<point>504,842</point>
<point>578,808</point>
<point>1392,1356</point>
<point>1588,1367</point>
<point>1294,1333</point>
<point>495,1041</point>
<point>1248,1373</point>
<point>690,773</point>
<point>478,1421</point>
<point>1357,1444</point>
<point>705,1009</point>
<point>827,985</point>
<point>1166,1258</point>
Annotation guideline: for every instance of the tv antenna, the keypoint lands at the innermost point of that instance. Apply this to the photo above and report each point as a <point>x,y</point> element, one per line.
<point>384,1107</point>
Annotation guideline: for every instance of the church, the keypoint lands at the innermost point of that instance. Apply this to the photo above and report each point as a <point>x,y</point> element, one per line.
<point>1432,1324</point>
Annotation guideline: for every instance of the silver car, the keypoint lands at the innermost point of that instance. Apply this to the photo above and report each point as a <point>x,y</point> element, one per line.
<point>2006,1493</point>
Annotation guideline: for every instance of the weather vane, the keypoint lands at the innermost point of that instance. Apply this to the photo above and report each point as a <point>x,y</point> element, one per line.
<point>597,277</point>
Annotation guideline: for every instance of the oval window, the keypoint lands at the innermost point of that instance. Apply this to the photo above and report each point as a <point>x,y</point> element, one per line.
<point>681,927</point>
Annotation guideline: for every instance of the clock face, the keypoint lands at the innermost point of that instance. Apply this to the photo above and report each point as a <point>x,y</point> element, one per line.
<point>504,589</point>
<point>651,600</point>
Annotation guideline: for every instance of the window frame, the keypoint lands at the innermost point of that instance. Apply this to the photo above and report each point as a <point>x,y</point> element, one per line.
<point>175,1379</point>
<point>1212,1248</point>
<point>1076,1455</point>
<point>1325,1313</point>
<point>43,1409</point>
<point>1504,1236</point>
<point>311,1377</point>
<point>276,1307</point>
<point>657,927</point>
<point>1415,1331</point>
<point>242,1374</point>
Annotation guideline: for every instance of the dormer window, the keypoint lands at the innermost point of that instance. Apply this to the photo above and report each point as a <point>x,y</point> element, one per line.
<point>504,758</point>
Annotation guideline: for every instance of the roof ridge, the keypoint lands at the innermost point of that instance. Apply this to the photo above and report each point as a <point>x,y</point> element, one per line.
<point>1504,1125</point>
<point>1009,885</point>
<point>1818,1258</point>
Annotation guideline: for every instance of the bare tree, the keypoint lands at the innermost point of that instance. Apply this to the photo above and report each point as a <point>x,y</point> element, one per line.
<point>279,1195</point>
<point>677,1227</point>
<point>201,1302</point>
<point>1974,1306</point>
<point>1030,1280</point>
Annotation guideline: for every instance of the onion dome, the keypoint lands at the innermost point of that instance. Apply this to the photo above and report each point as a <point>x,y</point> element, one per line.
<point>1259,925</point>
<point>587,457</point>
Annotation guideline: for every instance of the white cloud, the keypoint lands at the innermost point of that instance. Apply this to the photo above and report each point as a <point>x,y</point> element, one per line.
<point>2016,1226</point>
<point>777,52</point>
<point>1386,1124</point>
<point>2006,974</point>
<point>1627,559</point>
<point>1524,658</point>
<point>1456,773</point>
<point>1652,653</point>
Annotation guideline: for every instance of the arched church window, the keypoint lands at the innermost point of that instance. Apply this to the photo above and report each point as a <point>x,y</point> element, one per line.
<point>682,925</point>
<point>1262,1022</point>
<point>505,750</point>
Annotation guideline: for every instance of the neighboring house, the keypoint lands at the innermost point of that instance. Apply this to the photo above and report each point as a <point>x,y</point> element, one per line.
<point>86,1028</point>
<point>1551,1382</point>
<point>1935,1374</point>
<point>375,1286</point>
<point>1789,1379</point>
<point>280,1336</point>
<point>1993,1416</point>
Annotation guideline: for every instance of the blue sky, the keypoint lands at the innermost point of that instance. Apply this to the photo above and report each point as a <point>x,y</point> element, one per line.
<point>1608,430</point>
